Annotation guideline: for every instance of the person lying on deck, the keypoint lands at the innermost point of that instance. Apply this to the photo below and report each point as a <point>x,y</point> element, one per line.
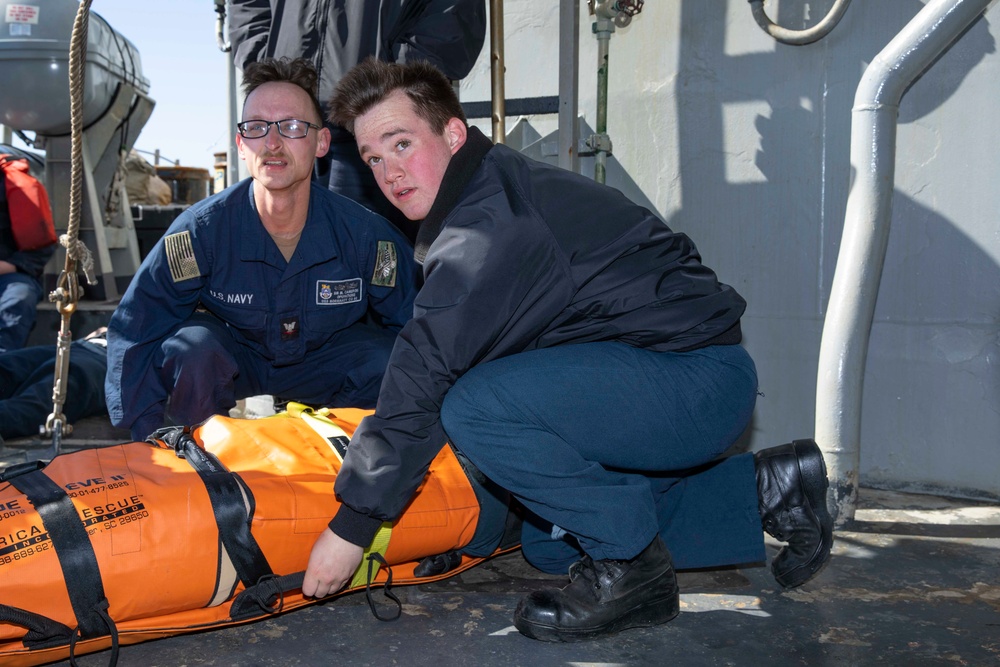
<point>26,384</point>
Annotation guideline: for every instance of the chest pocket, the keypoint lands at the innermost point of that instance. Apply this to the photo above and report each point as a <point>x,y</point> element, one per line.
<point>247,320</point>
<point>336,304</point>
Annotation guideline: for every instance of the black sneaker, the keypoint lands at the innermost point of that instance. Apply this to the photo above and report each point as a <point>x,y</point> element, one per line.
<point>604,597</point>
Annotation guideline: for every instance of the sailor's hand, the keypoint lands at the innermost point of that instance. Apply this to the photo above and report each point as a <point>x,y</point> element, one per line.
<point>332,563</point>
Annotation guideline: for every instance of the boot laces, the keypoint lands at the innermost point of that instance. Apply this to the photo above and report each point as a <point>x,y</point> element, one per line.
<point>585,568</point>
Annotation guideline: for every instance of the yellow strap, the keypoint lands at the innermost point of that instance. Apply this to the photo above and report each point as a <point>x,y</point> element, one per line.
<point>320,422</point>
<point>379,546</point>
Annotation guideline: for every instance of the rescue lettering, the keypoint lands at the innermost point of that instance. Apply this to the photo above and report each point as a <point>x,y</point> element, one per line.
<point>19,536</point>
<point>110,508</point>
<point>12,505</point>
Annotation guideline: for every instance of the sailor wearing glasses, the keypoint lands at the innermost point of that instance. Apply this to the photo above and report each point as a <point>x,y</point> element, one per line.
<point>273,286</point>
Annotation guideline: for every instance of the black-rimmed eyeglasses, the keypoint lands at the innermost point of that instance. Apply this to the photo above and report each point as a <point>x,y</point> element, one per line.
<point>290,128</point>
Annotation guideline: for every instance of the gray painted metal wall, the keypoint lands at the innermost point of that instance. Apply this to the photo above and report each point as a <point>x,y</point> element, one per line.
<point>744,144</point>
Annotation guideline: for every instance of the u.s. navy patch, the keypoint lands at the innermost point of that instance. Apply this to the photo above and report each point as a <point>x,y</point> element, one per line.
<point>180,256</point>
<point>338,292</point>
<point>385,265</point>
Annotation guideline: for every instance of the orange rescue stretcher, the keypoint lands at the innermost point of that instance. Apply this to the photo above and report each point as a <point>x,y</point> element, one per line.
<point>196,529</point>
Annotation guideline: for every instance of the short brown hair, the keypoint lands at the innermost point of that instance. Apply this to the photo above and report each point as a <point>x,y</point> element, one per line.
<point>298,71</point>
<point>372,80</point>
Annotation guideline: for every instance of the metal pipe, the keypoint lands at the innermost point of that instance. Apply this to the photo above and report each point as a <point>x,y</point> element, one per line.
<point>497,71</point>
<point>220,27</point>
<point>846,330</point>
<point>603,27</point>
<point>232,116</point>
<point>569,83</point>
<point>799,37</point>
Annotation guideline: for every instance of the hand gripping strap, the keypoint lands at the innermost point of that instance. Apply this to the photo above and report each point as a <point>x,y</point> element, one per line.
<point>268,595</point>
<point>338,439</point>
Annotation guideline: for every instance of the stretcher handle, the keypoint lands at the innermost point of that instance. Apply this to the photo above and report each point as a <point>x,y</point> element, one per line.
<point>42,630</point>
<point>267,596</point>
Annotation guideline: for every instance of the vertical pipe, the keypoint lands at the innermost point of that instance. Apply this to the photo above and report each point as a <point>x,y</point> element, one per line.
<point>232,111</point>
<point>569,81</point>
<point>603,28</point>
<point>846,330</point>
<point>497,71</point>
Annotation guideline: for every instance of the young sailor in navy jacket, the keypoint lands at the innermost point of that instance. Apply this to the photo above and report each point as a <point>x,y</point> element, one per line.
<point>581,356</point>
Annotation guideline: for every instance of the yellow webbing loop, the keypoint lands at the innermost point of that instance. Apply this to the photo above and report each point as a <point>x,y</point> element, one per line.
<point>320,422</point>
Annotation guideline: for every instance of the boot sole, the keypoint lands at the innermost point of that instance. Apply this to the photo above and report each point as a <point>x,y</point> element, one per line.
<point>812,469</point>
<point>648,615</point>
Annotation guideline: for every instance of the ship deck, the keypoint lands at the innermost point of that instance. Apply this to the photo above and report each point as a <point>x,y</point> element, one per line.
<point>913,580</point>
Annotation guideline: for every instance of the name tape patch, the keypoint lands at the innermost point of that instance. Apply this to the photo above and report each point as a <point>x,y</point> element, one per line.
<point>338,292</point>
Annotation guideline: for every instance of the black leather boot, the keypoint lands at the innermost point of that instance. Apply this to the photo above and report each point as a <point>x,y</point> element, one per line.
<point>791,488</point>
<point>604,597</point>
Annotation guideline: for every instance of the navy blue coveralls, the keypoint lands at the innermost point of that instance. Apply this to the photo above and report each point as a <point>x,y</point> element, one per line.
<point>215,313</point>
<point>26,378</point>
<point>581,356</point>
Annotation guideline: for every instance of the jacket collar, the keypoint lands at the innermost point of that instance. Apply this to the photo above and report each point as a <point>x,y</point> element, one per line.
<point>459,172</point>
<point>316,244</point>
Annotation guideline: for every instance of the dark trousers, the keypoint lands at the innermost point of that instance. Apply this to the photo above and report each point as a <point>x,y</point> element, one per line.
<point>19,297</point>
<point>26,378</point>
<point>607,445</point>
<point>204,371</point>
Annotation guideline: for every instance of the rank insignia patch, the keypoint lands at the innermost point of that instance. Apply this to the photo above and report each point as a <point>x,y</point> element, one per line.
<point>289,328</point>
<point>180,257</point>
<point>385,265</point>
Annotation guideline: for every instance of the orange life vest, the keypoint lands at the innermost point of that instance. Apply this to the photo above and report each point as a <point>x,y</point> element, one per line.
<point>28,205</point>
<point>226,513</point>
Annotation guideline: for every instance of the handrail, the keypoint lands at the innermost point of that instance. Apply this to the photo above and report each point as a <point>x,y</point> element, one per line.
<point>799,37</point>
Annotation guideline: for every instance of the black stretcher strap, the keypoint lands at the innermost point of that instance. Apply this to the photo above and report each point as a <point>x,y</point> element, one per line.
<point>42,630</point>
<point>267,596</point>
<point>76,555</point>
<point>226,492</point>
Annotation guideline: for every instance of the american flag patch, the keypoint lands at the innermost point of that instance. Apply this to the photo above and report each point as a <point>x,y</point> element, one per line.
<point>180,256</point>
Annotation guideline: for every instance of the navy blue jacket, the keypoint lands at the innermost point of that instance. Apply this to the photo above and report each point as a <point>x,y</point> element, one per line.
<point>519,255</point>
<point>242,278</point>
<point>335,36</point>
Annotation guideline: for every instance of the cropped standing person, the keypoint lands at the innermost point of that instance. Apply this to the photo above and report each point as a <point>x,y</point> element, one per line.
<point>336,36</point>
